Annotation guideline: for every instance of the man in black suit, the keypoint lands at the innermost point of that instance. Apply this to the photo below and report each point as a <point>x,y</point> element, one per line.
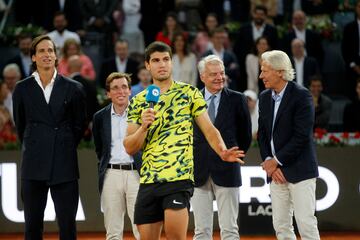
<point>23,59</point>
<point>49,114</point>
<point>351,52</point>
<point>312,40</point>
<point>304,66</point>
<point>218,37</point>
<point>118,178</point>
<point>247,36</point>
<point>286,120</point>
<point>213,177</point>
<point>120,63</point>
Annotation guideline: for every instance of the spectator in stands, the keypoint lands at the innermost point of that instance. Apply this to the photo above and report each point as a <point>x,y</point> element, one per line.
<point>120,63</point>
<point>11,74</point>
<point>23,59</point>
<point>211,22</point>
<point>184,61</point>
<point>322,103</point>
<point>202,42</point>
<point>61,34</point>
<point>351,52</point>
<point>254,111</point>
<point>98,19</point>
<point>7,130</point>
<point>92,104</point>
<point>352,112</point>
<point>171,26</point>
<point>247,36</point>
<point>72,47</point>
<point>271,6</point>
<point>145,80</point>
<point>218,38</point>
<point>252,64</point>
<point>130,29</point>
<point>71,9</point>
<point>311,39</point>
<point>153,13</point>
<point>304,66</point>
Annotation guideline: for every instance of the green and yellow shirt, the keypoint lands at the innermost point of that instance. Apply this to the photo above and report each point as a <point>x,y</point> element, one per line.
<point>168,147</point>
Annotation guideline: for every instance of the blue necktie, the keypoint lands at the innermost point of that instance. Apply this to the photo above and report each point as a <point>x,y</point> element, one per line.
<point>211,109</point>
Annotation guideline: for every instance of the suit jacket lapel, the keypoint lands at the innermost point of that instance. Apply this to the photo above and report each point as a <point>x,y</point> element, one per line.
<point>223,105</point>
<point>107,127</point>
<point>58,95</point>
<point>37,96</point>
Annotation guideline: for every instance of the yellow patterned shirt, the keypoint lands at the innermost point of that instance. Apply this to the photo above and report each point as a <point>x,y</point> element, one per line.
<point>168,147</point>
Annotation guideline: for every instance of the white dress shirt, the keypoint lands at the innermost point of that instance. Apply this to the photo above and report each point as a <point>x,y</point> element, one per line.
<point>118,133</point>
<point>60,38</point>
<point>299,69</point>
<point>257,32</point>
<point>48,89</point>
<point>120,65</point>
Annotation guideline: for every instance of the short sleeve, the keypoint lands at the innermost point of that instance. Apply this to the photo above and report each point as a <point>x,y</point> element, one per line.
<point>198,105</point>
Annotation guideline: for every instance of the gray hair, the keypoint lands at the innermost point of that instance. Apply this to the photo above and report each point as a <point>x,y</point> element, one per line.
<point>210,59</point>
<point>12,67</point>
<point>279,60</point>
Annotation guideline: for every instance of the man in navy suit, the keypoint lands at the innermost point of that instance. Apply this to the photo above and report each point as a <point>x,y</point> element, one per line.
<point>213,177</point>
<point>49,114</point>
<point>351,53</point>
<point>118,178</point>
<point>286,120</point>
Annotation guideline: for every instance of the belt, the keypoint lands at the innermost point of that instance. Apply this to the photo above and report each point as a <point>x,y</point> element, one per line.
<point>126,166</point>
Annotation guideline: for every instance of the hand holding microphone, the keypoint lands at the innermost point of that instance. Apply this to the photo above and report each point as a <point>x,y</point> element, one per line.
<point>152,97</point>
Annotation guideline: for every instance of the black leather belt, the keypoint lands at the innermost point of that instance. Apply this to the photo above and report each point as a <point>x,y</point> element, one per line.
<point>128,166</point>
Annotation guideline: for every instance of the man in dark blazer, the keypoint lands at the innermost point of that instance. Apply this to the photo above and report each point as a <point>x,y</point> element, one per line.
<point>23,59</point>
<point>351,53</point>
<point>218,37</point>
<point>286,120</point>
<point>49,114</point>
<point>118,178</point>
<point>92,104</point>
<point>304,66</point>
<point>212,175</point>
<point>312,40</point>
<point>120,63</point>
<point>245,41</point>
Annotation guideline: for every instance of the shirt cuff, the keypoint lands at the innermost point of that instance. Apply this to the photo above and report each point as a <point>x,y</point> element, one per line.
<point>274,157</point>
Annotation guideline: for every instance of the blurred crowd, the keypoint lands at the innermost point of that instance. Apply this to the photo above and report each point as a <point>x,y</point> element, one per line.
<point>97,37</point>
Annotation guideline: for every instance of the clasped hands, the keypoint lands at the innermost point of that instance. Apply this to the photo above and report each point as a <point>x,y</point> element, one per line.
<point>272,170</point>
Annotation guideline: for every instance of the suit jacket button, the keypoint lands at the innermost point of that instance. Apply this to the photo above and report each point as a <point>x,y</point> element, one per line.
<point>56,128</point>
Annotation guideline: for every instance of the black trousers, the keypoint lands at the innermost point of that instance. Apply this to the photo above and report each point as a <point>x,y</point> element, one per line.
<point>65,197</point>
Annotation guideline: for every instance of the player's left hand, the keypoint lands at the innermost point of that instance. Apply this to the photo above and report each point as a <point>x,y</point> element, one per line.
<point>233,155</point>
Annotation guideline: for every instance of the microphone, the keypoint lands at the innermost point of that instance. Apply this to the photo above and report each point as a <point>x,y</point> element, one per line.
<point>152,95</point>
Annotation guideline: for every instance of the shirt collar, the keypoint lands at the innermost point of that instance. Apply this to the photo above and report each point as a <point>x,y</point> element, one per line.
<point>120,115</point>
<point>208,94</point>
<point>37,77</point>
<point>278,97</point>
